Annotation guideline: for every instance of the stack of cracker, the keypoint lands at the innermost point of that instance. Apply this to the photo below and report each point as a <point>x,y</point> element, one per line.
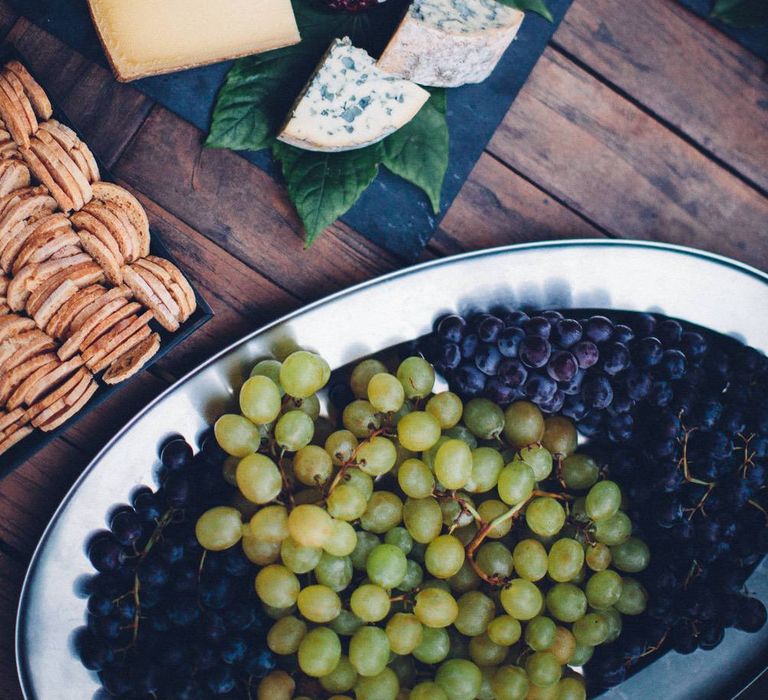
<point>79,291</point>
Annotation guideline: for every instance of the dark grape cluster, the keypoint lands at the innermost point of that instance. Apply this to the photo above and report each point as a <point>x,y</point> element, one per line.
<point>166,619</point>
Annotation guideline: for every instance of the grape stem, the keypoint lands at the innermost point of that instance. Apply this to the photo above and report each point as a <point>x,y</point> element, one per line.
<point>466,506</point>
<point>684,459</point>
<point>284,477</point>
<point>748,462</point>
<point>754,503</point>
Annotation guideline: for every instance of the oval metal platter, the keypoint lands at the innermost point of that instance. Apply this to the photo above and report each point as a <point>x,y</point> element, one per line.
<point>705,289</point>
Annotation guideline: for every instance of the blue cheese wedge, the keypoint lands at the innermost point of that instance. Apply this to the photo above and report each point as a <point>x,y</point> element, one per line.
<point>349,103</point>
<point>448,43</point>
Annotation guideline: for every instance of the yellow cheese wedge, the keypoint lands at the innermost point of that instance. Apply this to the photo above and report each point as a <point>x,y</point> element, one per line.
<point>148,37</point>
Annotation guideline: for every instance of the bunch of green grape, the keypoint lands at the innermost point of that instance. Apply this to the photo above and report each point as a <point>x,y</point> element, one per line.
<point>425,549</point>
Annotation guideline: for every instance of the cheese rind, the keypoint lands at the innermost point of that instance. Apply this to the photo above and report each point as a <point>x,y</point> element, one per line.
<point>149,37</point>
<point>449,43</point>
<point>349,103</point>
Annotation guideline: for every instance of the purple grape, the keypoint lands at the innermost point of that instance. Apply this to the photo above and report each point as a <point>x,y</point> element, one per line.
<point>512,372</point>
<point>469,345</point>
<point>562,366</point>
<point>669,332</point>
<point>489,328</point>
<point>540,388</point>
<point>534,351</point>
<point>501,393</point>
<point>673,364</point>
<point>597,391</point>
<point>615,358</point>
<point>638,383</point>
<point>694,345</point>
<point>566,332</point>
<point>751,615</point>
<point>469,380</point>
<point>661,394</point>
<point>451,328</point>
<point>538,325</point>
<point>555,404</point>
<point>643,324</point>
<point>574,385</point>
<point>514,318</point>
<point>574,407</point>
<point>648,352</point>
<point>622,334</point>
<point>448,356</point>
<point>620,427</point>
<point>487,359</point>
<point>106,554</point>
<point>176,453</point>
<point>586,353</point>
<point>598,329</point>
<point>126,526</point>
<point>591,424</point>
<point>509,341</point>
<point>621,403</point>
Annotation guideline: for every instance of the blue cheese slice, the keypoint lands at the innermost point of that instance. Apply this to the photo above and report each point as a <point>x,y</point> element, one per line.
<point>349,103</point>
<point>448,43</point>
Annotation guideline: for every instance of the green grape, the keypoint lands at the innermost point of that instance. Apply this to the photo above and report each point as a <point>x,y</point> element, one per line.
<point>454,514</point>
<point>369,650</point>
<point>566,557</point>
<point>297,558</point>
<point>444,556</point>
<point>571,689</point>
<point>303,373</point>
<point>615,624</point>
<point>366,541</point>
<point>271,369</point>
<point>434,647</point>
<point>247,508</point>
<point>228,470</point>
<point>427,691</point>
<point>277,586</point>
<point>598,557</point>
<point>494,559</point>
<point>486,692</point>
<point>258,478</point>
<point>563,646</point>
<point>340,445</point>
<point>236,435</point>
<point>461,432</point>
<point>342,540</point>
<point>581,654</point>
<point>631,556</point>
<point>312,465</point>
<point>399,537</point>
<point>447,407</point>
<point>459,678</point>
<point>566,602</point>
<point>543,669</point>
<point>405,668</point>
<point>485,652</point>
<point>414,575</point>
<point>579,472</point>
<point>277,685</point>
<point>382,686</point>
<point>483,418</point>
<point>309,405</point>
<point>385,392</point>
<point>614,530</point>
<point>428,456</point>
<point>318,603</point>
<point>404,632</point>
<point>465,579</point>
<point>604,589</point>
<point>270,524</point>
<point>504,630</point>
<point>360,418</point>
<point>386,566</point>
<point>286,634</point>
<point>633,598</point>
<point>310,526</point>
<point>278,613</point>
<point>346,624</point>
<point>219,528</point>
<point>418,431</point>
<point>415,479</point>
<point>260,400</point>
<point>510,683</point>
<point>453,464</point>
<point>560,436</point>
<point>523,424</point>
<point>545,516</point>
<point>591,629</point>
<point>487,464</point>
<point>370,602</point>
<point>540,633</point>
<point>346,503</point>
<point>341,679</point>
<point>259,552</point>
<point>334,572</point>
<point>603,500</point>
<point>530,559</point>
<point>384,511</point>
<point>362,374</point>
<point>376,455</point>
<point>490,510</point>
<point>435,607</point>
<point>538,459</point>
<point>361,481</point>
<point>294,430</point>
<point>516,483</point>
<point>476,610</point>
<point>319,652</point>
<point>417,377</point>
<point>423,519</point>
<point>521,599</point>
<point>466,534</point>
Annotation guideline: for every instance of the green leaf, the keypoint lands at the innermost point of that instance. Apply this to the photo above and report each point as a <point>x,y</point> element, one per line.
<point>741,13</point>
<point>323,186</point>
<point>537,6</point>
<point>418,152</point>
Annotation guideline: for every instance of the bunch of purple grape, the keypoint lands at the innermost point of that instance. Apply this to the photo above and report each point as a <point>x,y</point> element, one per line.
<point>166,619</point>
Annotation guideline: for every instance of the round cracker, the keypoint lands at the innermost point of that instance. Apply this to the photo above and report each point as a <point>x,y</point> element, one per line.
<point>46,245</point>
<point>56,299</point>
<point>178,276</point>
<point>60,418</point>
<point>76,336</point>
<point>23,348</point>
<point>62,402</point>
<point>30,277</point>
<point>21,97</point>
<point>59,172</point>
<point>27,207</point>
<point>146,296</point>
<point>132,361</point>
<point>127,344</point>
<point>122,236</point>
<point>93,167</point>
<point>82,275</point>
<point>10,380</point>
<point>14,438</point>
<point>44,380</point>
<point>58,326</point>
<point>109,192</point>
<point>41,173</point>
<point>13,324</point>
<point>14,177</point>
<point>102,255</point>
<point>14,119</point>
<point>88,222</point>
<point>58,394</point>
<point>66,160</point>
<point>158,289</point>
<point>62,133</point>
<point>36,94</point>
<point>121,292</point>
<point>95,339</point>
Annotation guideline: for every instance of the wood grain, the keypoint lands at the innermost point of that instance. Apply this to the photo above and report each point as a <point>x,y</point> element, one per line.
<point>681,68</point>
<point>621,169</point>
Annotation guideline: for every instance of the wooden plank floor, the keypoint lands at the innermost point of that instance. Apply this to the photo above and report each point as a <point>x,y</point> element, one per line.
<point>639,121</point>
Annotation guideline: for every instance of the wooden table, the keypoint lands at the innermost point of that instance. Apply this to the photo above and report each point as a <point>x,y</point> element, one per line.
<point>639,121</point>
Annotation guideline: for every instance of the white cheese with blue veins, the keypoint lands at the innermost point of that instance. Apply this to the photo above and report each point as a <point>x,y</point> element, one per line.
<point>349,103</point>
<point>448,43</point>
